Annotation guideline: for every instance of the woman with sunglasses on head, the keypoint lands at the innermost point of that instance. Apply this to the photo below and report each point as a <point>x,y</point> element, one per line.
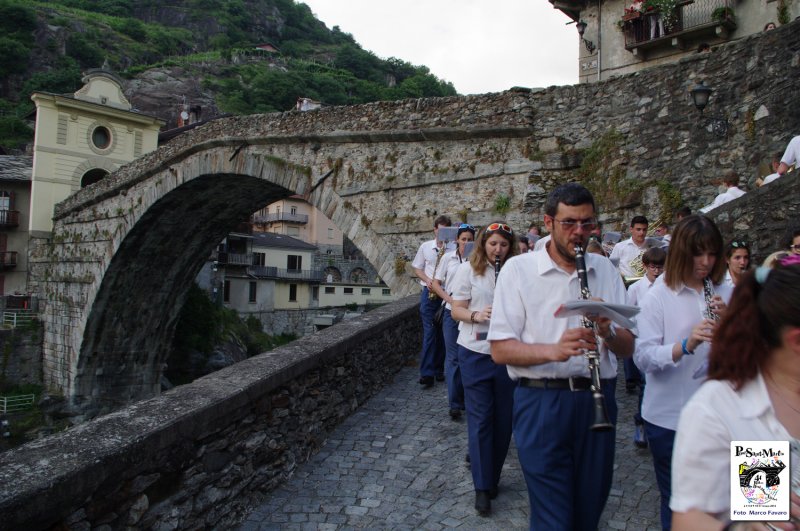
<point>488,390</point>
<point>794,242</point>
<point>678,318</point>
<point>443,286</point>
<point>737,256</point>
<point>752,394</point>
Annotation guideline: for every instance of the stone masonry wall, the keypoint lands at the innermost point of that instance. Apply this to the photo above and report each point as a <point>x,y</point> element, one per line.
<point>199,455</point>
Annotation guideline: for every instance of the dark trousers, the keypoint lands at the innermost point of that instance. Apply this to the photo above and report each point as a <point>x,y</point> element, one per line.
<point>632,374</point>
<point>431,361</point>
<point>567,467</point>
<point>661,441</point>
<point>489,395</point>
<point>452,372</point>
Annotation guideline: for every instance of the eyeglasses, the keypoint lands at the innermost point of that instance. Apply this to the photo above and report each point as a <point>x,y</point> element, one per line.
<point>572,224</point>
<point>466,226</point>
<point>494,227</point>
<point>739,245</point>
<point>655,266</point>
<point>795,248</point>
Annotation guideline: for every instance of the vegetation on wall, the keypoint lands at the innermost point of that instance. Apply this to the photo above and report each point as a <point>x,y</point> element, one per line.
<point>46,45</point>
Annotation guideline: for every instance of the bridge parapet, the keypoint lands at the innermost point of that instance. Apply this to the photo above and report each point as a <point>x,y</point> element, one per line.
<point>199,455</point>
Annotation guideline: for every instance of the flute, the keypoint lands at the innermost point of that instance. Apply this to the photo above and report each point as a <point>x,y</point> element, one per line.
<point>601,421</point>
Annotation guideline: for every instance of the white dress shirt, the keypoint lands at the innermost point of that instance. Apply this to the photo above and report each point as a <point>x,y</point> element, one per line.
<point>447,271</point>
<point>638,290</point>
<point>426,258</point>
<point>792,153</point>
<point>771,177</point>
<point>541,243</point>
<point>667,317</point>
<point>626,252</point>
<point>530,289</point>
<point>716,415</point>
<point>479,291</point>
<point>728,195</point>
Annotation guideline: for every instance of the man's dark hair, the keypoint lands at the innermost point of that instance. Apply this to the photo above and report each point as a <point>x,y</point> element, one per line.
<point>683,212</point>
<point>639,220</point>
<point>703,47</point>
<point>731,178</point>
<point>533,226</point>
<point>655,256</point>
<point>442,220</point>
<point>571,194</point>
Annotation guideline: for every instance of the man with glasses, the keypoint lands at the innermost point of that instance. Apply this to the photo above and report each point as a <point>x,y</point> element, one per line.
<point>431,363</point>
<point>627,253</point>
<point>567,467</point>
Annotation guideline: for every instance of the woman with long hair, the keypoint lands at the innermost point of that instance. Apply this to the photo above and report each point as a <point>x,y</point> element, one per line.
<point>443,286</point>
<point>737,256</point>
<point>677,321</point>
<point>488,390</point>
<point>753,394</point>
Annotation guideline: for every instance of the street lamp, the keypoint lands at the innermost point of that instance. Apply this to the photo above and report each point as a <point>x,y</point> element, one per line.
<point>581,25</point>
<point>700,96</point>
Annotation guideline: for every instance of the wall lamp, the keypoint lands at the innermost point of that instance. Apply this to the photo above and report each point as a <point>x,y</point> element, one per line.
<point>700,96</point>
<point>581,25</point>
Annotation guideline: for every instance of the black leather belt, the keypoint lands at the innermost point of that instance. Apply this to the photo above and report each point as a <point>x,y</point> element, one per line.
<point>575,383</point>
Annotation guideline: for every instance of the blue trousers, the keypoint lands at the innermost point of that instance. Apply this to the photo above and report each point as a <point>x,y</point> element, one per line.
<point>661,441</point>
<point>489,396</point>
<point>452,372</point>
<point>567,467</point>
<point>632,373</point>
<point>431,361</point>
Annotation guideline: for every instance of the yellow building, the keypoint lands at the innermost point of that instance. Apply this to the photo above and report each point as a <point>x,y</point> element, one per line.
<point>81,138</point>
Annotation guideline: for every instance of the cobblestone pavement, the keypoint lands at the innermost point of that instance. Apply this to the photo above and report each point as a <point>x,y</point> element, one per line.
<point>398,462</point>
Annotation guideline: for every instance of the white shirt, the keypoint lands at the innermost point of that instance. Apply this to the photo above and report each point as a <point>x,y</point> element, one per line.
<point>447,270</point>
<point>715,416</point>
<point>769,178</point>
<point>426,258</point>
<point>479,291</point>
<point>627,251</point>
<point>667,317</point>
<point>728,195</point>
<point>530,288</point>
<point>541,242</point>
<point>792,153</point>
<point>638,290</point>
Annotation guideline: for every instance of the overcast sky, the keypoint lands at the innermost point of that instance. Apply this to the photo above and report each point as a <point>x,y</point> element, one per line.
<point>478,45</point>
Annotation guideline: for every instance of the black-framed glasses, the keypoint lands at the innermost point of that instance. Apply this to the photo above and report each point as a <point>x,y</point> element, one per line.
<point>655,266</point>
<point>494,227</point>
<point>572,224</point>
<point>739,244</point>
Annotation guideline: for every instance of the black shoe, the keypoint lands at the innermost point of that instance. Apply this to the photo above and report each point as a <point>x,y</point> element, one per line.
<point>455,414</point>
<point>493,492</point>
<point>639,436</point>
<point>440,377</point>
<point>482,502</point>
<point>426,381</point>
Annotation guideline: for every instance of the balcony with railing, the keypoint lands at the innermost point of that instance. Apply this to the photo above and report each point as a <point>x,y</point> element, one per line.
<point>692,20</point>
<point>9,218</point>
<point>236,259</point>
<point>277,273</point>
<point>8,260</point>
<point>288,217</point>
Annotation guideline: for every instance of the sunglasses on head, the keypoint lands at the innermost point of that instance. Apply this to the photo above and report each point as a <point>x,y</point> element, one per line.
<point>739,245</point>
<point>466,226</point>
<point>494,227</point>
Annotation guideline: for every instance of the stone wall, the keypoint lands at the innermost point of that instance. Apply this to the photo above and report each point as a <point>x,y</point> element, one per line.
<point>21,355</point>
<point>199,455</point>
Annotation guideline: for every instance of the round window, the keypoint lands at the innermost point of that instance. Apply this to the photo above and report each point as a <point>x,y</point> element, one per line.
<point>101,137</point>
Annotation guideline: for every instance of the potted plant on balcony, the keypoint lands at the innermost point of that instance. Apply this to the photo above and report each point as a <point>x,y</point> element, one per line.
<point>723,14</point>
<point>667,9</point>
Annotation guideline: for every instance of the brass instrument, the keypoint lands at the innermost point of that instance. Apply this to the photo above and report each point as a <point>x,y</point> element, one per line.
<point>432,295</point>
<point>601,420</point>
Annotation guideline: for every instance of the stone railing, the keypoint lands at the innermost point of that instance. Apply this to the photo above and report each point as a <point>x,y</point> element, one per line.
<point>199,455</point>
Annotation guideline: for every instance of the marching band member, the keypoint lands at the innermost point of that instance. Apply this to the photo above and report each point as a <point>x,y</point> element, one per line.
<point>753,394</point>
<point>567,467</point>
<point>488,391</point>
<point>676,324</point>
<point>447,270</point>
<point>737,256</point>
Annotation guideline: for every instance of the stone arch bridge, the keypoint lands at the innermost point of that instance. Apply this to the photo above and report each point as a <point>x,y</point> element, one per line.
<point>124,251</point>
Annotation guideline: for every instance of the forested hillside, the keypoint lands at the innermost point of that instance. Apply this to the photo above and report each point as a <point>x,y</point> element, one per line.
<point>203,50</point>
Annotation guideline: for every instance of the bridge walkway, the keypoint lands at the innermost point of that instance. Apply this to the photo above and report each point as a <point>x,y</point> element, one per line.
<point>398,462</point>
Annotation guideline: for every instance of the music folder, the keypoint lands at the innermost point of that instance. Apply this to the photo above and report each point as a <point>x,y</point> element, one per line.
<point>620,314</point>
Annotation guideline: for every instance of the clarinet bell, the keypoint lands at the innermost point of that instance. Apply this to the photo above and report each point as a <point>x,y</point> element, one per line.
<point>601,421</point>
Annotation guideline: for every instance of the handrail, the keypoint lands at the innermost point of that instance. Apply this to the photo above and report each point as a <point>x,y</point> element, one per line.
<point>312,275</point>
<point>281,216</point>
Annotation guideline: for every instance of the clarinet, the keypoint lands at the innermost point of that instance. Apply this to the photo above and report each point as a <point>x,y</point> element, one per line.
<point>601,421</point>
<point>496,267</point>
<point>708,294</point>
